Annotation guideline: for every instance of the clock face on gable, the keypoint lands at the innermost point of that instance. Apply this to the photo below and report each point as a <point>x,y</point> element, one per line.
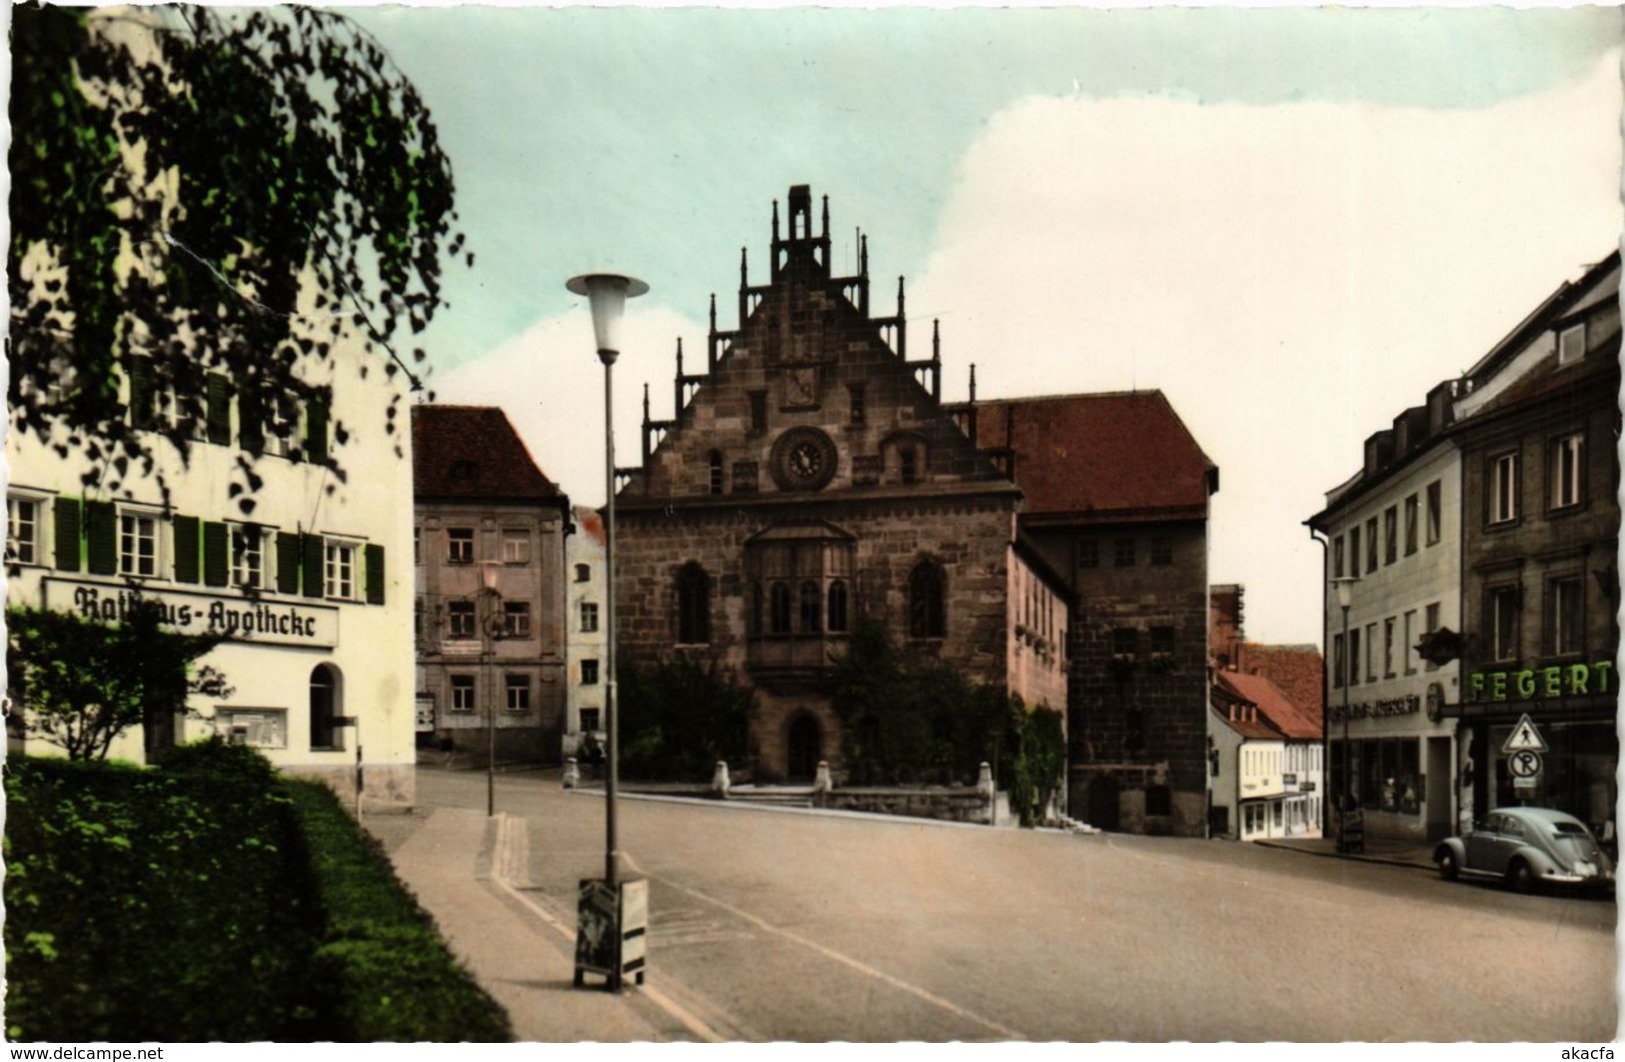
<point>803,459</point>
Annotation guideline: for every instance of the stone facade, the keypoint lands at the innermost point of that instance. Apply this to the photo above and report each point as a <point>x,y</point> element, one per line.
<point>811,479</point>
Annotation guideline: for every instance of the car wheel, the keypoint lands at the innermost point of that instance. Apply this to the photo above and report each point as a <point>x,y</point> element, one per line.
<point>1448,868</point>
<point>1520,877</point>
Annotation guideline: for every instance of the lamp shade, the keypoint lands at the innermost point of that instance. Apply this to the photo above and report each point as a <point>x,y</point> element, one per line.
<point>607,294</point>
<point>488,573</point>
<point>1345,591</point>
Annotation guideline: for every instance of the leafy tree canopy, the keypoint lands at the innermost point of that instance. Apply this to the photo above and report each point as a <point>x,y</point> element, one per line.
<point>678,718</point>
<point>78,683</point>
<point>183,179</point>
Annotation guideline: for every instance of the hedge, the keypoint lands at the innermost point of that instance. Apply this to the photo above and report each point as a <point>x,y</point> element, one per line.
<point>380,971</point>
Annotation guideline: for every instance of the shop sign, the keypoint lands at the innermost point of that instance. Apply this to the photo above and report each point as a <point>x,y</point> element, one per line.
<point>1409,704</point>
<point>234,618</point>
<point>1558,680</point>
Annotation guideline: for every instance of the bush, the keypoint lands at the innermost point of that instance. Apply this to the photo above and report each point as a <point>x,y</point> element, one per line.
<point>380,971</point>
<point>149,905</point>
<point>215,757</point>
<point>677,719</point>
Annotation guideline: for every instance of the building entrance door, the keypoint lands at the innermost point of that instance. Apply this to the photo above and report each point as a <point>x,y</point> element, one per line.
<point>806,748</point>
<point>1105,810</point>
<point>1439,789</point>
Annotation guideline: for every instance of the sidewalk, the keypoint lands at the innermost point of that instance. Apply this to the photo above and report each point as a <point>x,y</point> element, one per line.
<point>524,958</point>
<point>1393,853</point>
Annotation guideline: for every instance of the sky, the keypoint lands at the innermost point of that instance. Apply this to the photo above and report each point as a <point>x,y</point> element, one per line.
<point>1293,222</point>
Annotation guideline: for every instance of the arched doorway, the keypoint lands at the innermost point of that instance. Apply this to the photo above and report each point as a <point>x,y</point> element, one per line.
<point>806,748</point>
<point>326,702</point>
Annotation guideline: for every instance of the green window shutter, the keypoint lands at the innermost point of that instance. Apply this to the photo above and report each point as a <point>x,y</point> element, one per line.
<point>186,549</point>
<point>218,411</point>
<point>316,417</point>
<point>312,559</point>
<point>250,417</point>
<point>67,534</point>
<point>287,562</point>
<point>375,574</point>
<point>101,538</point>
<point>216,559</point>
<point>143,392</point>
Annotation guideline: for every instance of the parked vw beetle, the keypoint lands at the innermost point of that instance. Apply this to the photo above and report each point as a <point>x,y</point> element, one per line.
<point>1526,847</point>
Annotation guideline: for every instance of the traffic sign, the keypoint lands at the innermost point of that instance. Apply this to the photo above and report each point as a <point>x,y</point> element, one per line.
<point>1524,764</point>
<point>1524,737</point>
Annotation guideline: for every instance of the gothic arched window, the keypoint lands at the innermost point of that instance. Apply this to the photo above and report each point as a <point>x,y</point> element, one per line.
<point>927,617</point>
<point>693,605</point>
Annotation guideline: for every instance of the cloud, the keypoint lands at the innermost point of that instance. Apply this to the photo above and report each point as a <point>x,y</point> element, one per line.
<point>550,383</point>
<point>1292,276</point>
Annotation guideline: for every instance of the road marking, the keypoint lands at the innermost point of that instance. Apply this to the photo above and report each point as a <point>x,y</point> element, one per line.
<point>847,960</point>
<point>506,865</point>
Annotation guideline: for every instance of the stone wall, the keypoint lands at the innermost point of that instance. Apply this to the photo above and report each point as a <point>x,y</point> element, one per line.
<point>950,804</point>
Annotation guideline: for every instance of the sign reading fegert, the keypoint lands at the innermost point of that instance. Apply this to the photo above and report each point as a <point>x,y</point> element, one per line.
<point>274,622</point>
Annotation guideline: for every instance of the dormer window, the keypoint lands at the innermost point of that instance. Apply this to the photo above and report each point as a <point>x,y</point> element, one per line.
<point>1571,345</point>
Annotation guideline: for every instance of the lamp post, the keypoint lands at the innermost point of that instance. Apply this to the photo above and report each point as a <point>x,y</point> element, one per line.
<point>489,626</point>
<point>607,294</point>
<point>1344,585</point>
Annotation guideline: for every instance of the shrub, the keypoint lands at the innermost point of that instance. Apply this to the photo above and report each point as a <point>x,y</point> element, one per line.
<point>380,971</point>
<point>677,719</point>
<point>148,905</point>
<point>215,757</point>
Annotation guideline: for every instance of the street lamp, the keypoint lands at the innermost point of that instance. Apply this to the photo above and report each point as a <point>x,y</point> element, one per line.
<point>490,625</point>
<point>1344,585</point>
<point>608,914</point>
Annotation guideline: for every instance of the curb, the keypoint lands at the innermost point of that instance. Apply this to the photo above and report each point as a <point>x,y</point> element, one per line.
<point>1391,861</point>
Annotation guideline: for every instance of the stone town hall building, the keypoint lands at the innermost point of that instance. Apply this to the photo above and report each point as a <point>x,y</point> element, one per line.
<point>812,476</point>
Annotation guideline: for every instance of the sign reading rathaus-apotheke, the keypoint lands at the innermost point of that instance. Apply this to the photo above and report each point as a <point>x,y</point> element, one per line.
<point>236,618</point>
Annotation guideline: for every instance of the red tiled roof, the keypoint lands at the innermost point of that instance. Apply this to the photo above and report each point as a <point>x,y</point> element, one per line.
<point>1116,453</point>
<point>472,452</point>
<point>590,522</point>
<point>1272,704</point>
<point>1295,670</point>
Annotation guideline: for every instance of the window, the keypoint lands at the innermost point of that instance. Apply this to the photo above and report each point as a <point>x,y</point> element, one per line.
<point>1123,553</point>
<point>341,570</point>
<point>589,672</point>
<point>515,546</point>
<point>927,617</point>
<point>1354,657</point>
<point>460,545</point>
<point>589,617</point>
<point>1567,619</point>
<point>460,619</point>
<point>326,705</point>
<point>1502,622</point>
<point>1571,345</point>
<point>1390,534</point>
<point>1371,652</point>
<point>1162,642</point>
<point>518,692</point>
<point>1411,656</point>
<point>1162,552</point>
<point>758,412</point>
<point>1339,668</point>
<point>417,545</point>
<point>589,720</point>
<point>1435,510</point>
<point>693,605</point>
<point>516,619</point>
<point>1354,552</point>
<point>248,557</point>
<point>838,607</point>
<point>1337,557</point>
<point>1503,492</point>
<point>855,397</point>
<point>137,544</point>
<point>1388,647</point>
<point>1371,544</point>
<point>1413,510</point>
<point>583,573</point>
<point>1125,643</point>
<point>714,470</point>
<point>22,530</point>
<point>812,608</point>
<point>1088,553</point>
<point>908,463</point>
<point>1567,463</point>
<point>1431,625</point>
<point>778,609</point>
<point>462,693</point>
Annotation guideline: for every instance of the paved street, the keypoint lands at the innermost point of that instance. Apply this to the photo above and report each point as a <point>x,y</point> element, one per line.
<point>778,925</point>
